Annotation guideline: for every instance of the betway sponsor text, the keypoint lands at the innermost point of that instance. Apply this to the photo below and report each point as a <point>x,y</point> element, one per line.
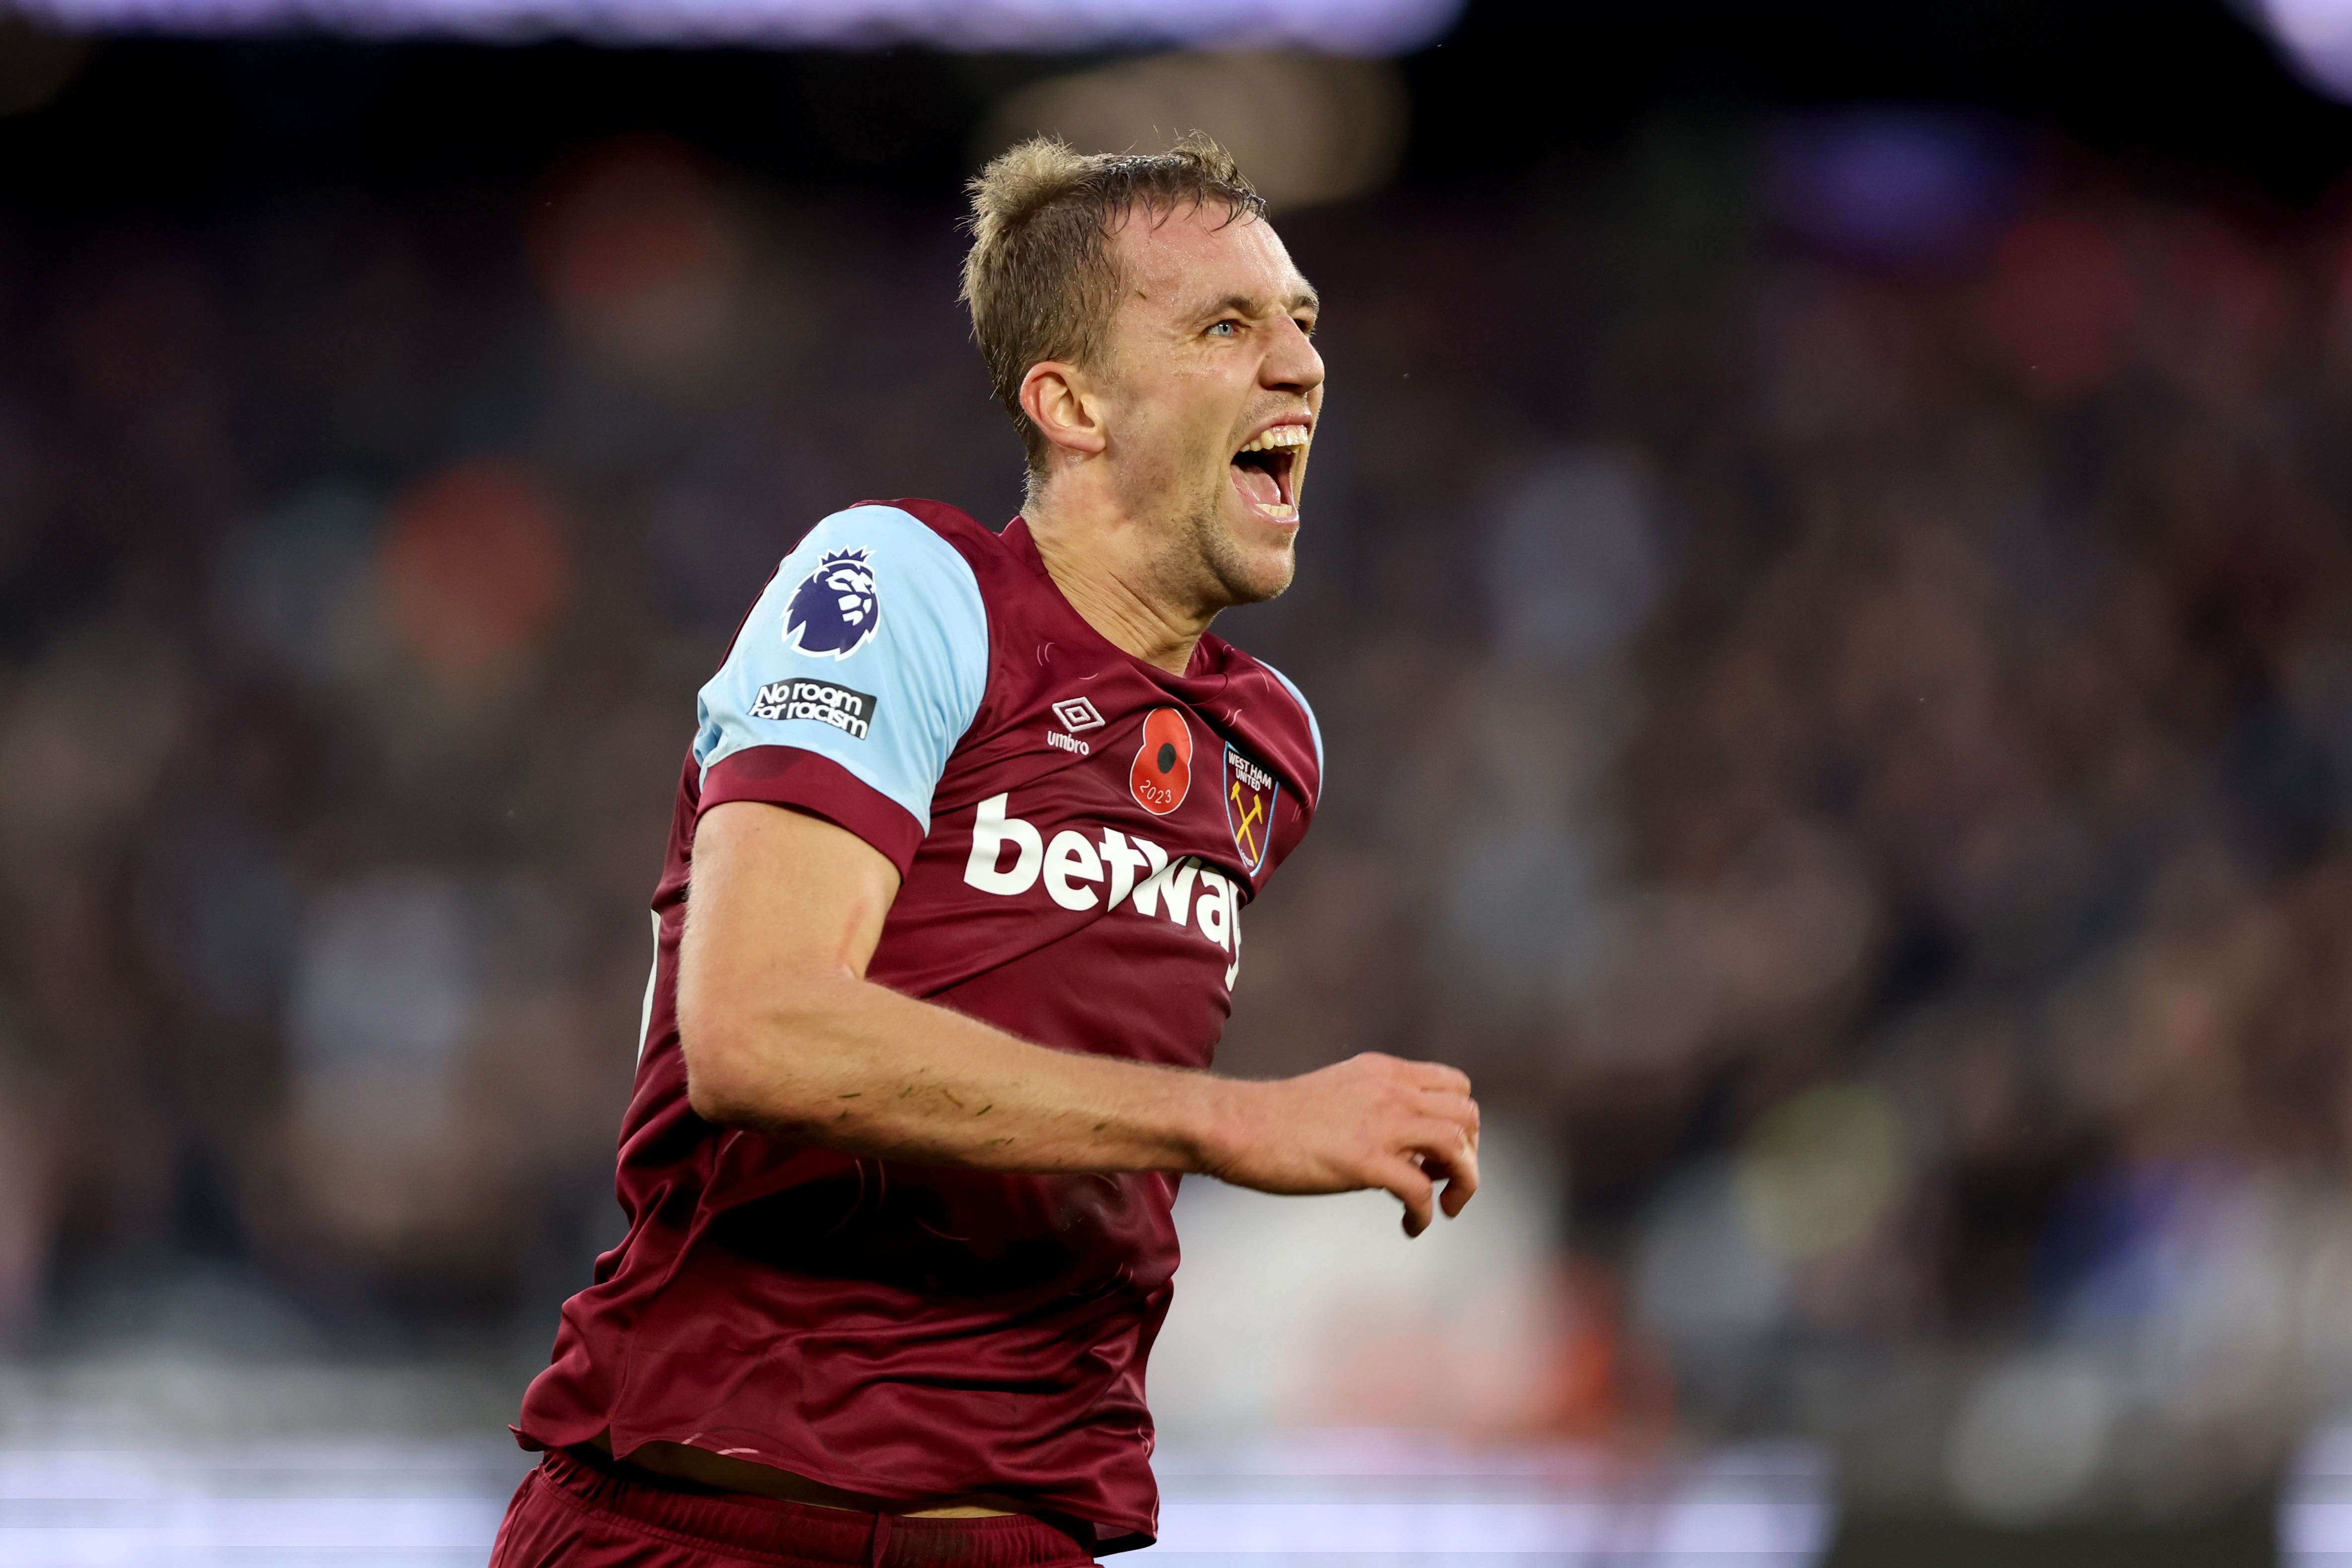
<point>1081,871</point>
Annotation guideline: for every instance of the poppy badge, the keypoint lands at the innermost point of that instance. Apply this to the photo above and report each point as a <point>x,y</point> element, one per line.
<point>1163,772</point>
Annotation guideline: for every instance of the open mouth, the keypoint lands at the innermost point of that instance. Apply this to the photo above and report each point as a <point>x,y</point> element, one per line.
<point>1265,471</point>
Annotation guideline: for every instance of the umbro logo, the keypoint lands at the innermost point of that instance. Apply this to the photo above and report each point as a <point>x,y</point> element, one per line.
<point>1078,715</point>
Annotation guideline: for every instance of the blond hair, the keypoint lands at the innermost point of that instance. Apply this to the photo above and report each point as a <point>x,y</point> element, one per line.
<point>1041,280</point>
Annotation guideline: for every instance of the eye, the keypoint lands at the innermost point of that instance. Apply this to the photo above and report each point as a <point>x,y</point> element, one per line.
<point>1226,328</point>
<point>1306,324</point>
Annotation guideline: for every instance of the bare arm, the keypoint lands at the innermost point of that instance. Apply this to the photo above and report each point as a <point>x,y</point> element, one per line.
<point>782,1033</point>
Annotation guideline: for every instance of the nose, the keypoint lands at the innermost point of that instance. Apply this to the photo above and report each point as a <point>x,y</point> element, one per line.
<point>1293,366</point>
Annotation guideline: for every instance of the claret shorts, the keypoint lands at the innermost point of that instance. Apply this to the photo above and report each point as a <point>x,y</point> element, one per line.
<point>569,1513</point>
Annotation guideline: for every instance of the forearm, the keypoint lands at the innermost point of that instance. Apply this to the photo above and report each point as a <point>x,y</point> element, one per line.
<point>781,1033</point>
<point>858,1068</point>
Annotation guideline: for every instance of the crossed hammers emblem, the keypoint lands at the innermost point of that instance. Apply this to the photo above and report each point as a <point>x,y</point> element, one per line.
<point>1247,819</point>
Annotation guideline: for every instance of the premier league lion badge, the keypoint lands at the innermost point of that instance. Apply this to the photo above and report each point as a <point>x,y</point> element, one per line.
<point>1250,792</point>
<point>836,609</point>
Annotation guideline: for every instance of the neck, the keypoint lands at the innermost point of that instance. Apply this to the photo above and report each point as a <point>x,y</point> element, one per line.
<point>1113,568</point>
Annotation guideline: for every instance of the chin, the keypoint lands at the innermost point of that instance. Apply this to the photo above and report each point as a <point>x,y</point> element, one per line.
<point>1253,573</point>
<point>1279,567</point>
<point>1250,558</point>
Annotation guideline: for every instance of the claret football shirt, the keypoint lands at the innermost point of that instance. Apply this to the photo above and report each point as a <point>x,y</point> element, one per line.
<point>1078,834</point>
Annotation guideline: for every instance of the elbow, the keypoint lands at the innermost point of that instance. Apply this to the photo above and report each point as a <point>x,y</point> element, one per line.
<point>711,1095</point>
<point>719,1084</point>
<point>735,1076</point>
<point>758,1065</point>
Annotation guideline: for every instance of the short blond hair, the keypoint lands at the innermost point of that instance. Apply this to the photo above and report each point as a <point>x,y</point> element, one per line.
<point>1041,280</point>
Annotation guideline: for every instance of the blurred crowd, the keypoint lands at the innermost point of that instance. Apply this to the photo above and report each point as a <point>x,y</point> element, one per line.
<point>1834,640</point>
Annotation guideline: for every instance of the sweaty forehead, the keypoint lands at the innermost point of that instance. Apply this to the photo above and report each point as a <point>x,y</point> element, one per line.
<point>1193,259</point>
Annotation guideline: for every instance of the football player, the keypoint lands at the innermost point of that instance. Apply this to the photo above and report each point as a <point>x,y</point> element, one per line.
<point>946,938</point>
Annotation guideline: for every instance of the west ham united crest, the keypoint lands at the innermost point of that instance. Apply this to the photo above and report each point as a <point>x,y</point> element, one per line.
<point>1250,792</point>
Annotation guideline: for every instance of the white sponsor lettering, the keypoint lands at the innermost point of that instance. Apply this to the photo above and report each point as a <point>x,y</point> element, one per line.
<point>992,830</point>
<point>1173,883</point>
<point>1124,861</point>
<point>1070,859</point>
<point>1214,907</point>
<point>1128,870</point>
<point>1056,738</point>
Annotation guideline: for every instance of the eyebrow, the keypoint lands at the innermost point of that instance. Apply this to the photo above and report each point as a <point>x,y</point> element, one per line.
<point>1306,298</point>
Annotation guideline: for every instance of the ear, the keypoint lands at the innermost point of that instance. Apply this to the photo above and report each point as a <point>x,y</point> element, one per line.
<point>1059,402</point>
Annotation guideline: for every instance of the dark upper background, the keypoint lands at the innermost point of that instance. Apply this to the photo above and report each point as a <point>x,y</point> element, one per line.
<point>1828,589</point>
<point>2184,91</point>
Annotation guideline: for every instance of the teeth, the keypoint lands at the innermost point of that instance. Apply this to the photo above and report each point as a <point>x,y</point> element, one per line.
<point>1284,509</point>
<point>1280,436</point>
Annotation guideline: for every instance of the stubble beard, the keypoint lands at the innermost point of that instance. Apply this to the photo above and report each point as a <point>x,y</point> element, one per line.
<point>1216,562</point>
<point>1201,565</point>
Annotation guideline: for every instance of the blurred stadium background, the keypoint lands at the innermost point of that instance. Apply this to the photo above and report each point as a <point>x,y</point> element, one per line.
<point>1829,590</point>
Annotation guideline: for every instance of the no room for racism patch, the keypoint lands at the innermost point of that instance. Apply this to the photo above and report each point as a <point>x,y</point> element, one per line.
<point>849,712</point>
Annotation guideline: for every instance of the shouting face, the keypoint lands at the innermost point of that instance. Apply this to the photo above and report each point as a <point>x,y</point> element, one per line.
<point>1210,393</point>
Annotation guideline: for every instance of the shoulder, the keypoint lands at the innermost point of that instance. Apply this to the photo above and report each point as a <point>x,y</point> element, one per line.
<point>1284,715</point>
<point>929,526</point>
<point>1306,709</point>
<point>952,525</point>
<point>1009,575</point>
<point>916,532</point>
<point>870,648</point>
<point>840,586</point>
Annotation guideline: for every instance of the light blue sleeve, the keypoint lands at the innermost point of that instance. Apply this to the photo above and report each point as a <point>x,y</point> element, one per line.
<point>869,647</point>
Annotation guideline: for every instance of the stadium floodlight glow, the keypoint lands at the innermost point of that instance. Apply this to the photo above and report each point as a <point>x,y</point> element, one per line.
<point>1343,26</point>
<point>2317,36</point>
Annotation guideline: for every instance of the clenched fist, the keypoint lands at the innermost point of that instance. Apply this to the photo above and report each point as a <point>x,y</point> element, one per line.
<point>1372,1121</point>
